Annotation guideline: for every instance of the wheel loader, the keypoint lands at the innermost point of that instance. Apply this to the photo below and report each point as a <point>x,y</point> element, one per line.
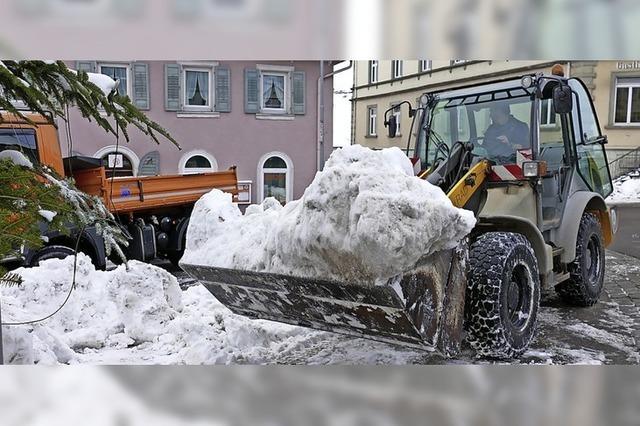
<point>527,156</point>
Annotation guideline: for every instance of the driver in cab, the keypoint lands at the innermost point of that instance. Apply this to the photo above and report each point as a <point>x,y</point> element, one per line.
<point>506,134</point>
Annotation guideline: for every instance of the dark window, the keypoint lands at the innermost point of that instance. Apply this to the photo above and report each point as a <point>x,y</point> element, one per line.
<point>22,140</point>
<point>275,163</point>
<point>198,162</point>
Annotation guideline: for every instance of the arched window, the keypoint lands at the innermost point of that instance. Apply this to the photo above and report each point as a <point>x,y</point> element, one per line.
<point>275,177</point>
<point>197,162</point>
<point>118,161</point>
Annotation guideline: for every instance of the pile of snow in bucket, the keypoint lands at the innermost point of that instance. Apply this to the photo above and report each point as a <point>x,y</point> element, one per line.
<point>364,219</point>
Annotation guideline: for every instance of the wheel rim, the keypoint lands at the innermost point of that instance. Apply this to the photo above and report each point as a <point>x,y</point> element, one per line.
<point>519,295</point>
<point>593,260</point>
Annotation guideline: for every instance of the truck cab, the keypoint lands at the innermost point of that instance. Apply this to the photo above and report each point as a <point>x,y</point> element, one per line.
<point>153,211</point>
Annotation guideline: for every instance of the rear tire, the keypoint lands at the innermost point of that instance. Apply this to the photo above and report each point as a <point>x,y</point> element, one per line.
<point>503,295</point>
<point>51,252</point>
<point>174,257</point>
<point>585,285</point>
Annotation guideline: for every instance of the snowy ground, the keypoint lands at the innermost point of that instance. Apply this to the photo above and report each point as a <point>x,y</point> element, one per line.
<point>142,317</point>
<point>626,189</point>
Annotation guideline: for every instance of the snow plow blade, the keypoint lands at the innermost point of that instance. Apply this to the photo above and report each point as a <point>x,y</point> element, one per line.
<point>424,308</point>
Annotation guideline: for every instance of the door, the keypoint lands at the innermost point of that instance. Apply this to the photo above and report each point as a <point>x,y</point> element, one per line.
<point>555,140</point>
<point>592,164</point>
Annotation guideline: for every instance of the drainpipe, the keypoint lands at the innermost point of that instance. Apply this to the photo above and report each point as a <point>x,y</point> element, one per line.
<point>320,154</point>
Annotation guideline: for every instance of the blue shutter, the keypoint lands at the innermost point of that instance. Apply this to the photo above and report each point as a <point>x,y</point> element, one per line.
<point>298,93</point>
<point>86,66</point>
<point>150,164</point>
<point>251,91</point>
<point>223,89</point>
<point>141,85</point>
<point>172,87</point>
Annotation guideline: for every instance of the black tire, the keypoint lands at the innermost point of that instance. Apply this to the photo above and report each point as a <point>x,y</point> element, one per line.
<point>51,252</point>
<point>503,295</point>
<point>174,257</point>
<point>586,281</point>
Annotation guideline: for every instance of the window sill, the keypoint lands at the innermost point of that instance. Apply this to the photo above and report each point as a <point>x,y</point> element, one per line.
<point>194,114</point>
<point>622,126</point>
<point>370,136</point>
<point>281,117</point>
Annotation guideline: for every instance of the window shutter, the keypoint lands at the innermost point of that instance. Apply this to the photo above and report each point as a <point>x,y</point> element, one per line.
<point>150,164</point>
<point>299,88</point>
<point>223,89</point>
<point>87,66</point>
<point>172,87</point>
<point>141,85</point>
<point>251,91</point>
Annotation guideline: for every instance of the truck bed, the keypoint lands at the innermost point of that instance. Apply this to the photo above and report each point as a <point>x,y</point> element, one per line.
<point>136,194</point>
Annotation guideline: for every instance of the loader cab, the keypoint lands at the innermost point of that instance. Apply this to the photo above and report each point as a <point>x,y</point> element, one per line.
<point>514,122</point>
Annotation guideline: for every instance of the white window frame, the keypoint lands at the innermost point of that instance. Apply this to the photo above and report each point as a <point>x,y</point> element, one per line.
<point>182,164</point>
<point>425,65</point>
<point>396,68</point>
<point>372,120</point>
<point>197,67</point>
<point>126,66</point>
<point>397,112</point>
<point>287,71</point>
<point>373,71</point>
<point>288,174</point>
<point>111,149</point>
<point>629,87</point>
<point>546,121</point>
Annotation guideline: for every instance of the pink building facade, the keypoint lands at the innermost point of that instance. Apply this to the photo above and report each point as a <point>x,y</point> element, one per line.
<point>262,117</point>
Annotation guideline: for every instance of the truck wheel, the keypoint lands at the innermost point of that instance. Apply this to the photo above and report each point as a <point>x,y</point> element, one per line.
<point>503,295</point>
<point>585,285</point>
<point>51,252</point>
<point>175,256</point>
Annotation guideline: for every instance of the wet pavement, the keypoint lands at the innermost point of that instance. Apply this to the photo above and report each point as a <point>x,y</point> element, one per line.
<point>606,333</point>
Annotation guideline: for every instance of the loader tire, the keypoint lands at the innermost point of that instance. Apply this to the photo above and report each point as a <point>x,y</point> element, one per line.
<point>586,281</point>
<point>503,295</point>
<point>52,252</point>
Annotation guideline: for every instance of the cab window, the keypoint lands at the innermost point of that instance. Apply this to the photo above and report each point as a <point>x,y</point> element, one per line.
<point>21,140</point>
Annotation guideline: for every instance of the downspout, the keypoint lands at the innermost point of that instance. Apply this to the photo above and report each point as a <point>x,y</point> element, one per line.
<point>320,148</point>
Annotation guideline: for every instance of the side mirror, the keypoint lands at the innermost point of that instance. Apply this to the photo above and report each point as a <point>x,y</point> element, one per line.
<point>562,99</point>
<point>392,125</point>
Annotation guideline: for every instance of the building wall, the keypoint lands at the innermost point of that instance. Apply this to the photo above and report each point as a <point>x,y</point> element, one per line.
<point>233,138</point>
<point>622,138</point>
<point>599,77</point>
<point>388,91</point>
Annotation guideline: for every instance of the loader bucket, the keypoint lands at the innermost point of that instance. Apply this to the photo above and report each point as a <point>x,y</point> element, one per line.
<point>424,308</point>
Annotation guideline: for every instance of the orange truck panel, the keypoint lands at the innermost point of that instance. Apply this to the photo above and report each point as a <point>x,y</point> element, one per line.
<point>139,194</point>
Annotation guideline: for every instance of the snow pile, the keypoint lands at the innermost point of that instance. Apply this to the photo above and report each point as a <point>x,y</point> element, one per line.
<point>16,157</point>
<point>626,189</point>
<point>105,308</point>
<point>364,219</point>
<point>48,215</point>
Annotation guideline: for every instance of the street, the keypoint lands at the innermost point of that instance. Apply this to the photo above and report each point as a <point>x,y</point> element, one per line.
<point>627,239</point>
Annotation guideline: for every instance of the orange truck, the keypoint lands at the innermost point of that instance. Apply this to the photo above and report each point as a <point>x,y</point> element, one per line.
<point>153,210</point>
